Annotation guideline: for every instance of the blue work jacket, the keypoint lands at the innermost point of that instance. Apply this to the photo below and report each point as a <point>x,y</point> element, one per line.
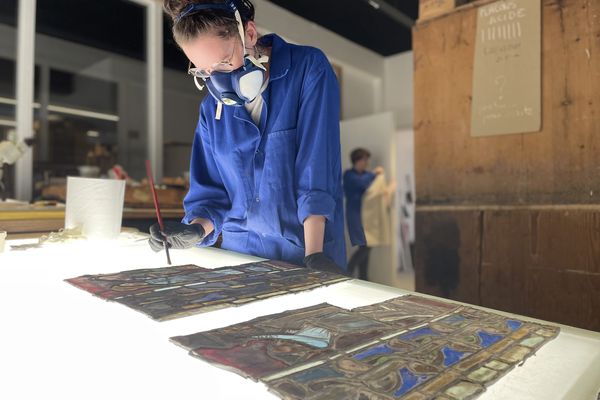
<point>257,184</point>
<point>355,186</point>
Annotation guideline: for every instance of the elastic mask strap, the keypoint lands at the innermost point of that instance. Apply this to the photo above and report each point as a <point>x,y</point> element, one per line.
<point>198,85</point>
<point>240,25</point>
<point>262,59</point>
<point>260,62</point>
<point>219,104</point>
<point>219,111</point>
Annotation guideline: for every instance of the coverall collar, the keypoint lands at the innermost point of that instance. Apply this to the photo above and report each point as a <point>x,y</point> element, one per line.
<point>280,55</point>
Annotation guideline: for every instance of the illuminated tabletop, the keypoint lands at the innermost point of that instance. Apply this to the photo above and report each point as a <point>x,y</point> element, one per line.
<point>57,341</point>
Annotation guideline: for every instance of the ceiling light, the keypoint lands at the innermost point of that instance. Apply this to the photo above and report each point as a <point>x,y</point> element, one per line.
<point>374,4</point>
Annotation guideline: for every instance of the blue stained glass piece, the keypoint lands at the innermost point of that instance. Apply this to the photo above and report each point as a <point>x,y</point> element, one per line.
<point>409,381</point>
<point>211,296</point>
<point>373,351</point>
<point>419,332</point>
<point>488,339</point>
<point>452,356</point>
<point>513,324</point>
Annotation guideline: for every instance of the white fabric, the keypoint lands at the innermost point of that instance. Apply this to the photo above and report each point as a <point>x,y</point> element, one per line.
<point>375,214</point>
<point>255,107</point>
<point>11,151</point>
<point>60,342</point>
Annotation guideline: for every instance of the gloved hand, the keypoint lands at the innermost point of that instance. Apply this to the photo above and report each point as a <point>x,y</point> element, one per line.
<point>321,262</point>
<point>178,235</point>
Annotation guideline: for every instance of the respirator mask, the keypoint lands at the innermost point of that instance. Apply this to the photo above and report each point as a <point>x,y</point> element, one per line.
<point>232,88</point>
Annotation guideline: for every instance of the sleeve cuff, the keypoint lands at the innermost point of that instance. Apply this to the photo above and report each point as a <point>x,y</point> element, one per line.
<point>316,203</point>
<point>215,218</point>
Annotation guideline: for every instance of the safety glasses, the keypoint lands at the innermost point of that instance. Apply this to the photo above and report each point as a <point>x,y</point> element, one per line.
<point>222,66</point>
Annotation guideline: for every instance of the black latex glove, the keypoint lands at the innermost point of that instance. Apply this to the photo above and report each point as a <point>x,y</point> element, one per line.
<point>321,262</point>
<point>178,235</point>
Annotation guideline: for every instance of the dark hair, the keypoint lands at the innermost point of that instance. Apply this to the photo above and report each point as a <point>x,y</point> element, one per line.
<point>359,154</point>
<point>220,22</point>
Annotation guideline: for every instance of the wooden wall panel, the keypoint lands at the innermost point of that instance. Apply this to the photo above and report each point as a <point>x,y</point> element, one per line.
<point>565,240</point>
<point>527,206</point>
<point>503,268</point>
<point>543,263</point>
<point>557,165</point>
<point>448,254</point>
<point>568,297</point>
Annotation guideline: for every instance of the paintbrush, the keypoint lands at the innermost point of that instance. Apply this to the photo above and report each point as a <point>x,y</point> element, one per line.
<point>157,208</point>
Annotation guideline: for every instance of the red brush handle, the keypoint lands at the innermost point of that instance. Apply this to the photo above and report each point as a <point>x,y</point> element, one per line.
<point>154,195</point>
<point>157,207</point>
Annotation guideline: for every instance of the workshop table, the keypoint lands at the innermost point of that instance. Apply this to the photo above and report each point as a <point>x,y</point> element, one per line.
<point>57,341</point>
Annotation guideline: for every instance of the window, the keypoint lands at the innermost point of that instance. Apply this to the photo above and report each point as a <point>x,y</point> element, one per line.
<point>92,85</point>
<point>181,104</point>
<point>8,23</point>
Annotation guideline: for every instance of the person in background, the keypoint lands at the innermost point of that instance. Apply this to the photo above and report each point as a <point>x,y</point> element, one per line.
<point>265,171</point>
<point>356,182</point>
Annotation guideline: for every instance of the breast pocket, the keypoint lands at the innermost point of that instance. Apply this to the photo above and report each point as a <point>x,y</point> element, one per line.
<point>280,158</point>
<point>278,213</point>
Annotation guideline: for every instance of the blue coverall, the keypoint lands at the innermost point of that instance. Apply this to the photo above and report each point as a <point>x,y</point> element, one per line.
<point>355,185</point>
<point>257,184</point>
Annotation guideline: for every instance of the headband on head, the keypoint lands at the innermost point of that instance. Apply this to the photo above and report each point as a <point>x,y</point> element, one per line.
<point>229,5</point>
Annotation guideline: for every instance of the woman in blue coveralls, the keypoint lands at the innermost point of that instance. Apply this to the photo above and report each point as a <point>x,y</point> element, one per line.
<point>265,169</point>
<point>356,182</point>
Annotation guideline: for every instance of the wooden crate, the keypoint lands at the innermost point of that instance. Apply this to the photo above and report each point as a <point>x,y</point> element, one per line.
<point>558,165</point>
<point>540,262</point>
<point>543,263</point>
<point>447,254</point>
<point>433,8</point>
<point>481,200</point>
